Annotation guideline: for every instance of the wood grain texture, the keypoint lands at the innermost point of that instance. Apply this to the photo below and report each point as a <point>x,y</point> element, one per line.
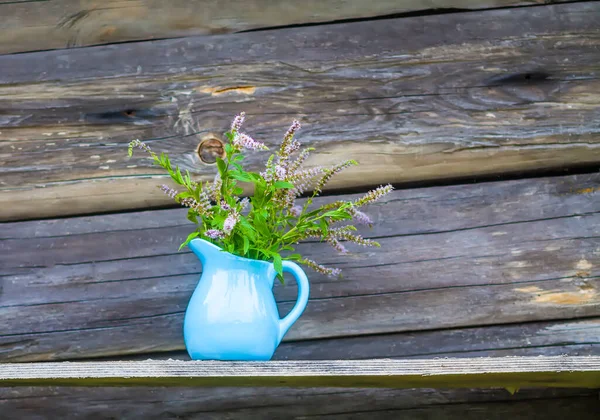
<point>553,338</point>
<point>463,94</point>
<point>34,26</point>
<point>451,257</point>
<point>579,337</point>
<point>480,372</point>
<point>295,403</point>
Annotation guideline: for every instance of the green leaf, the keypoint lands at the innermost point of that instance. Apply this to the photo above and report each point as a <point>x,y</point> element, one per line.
<point>277,264</point>
<point>283,185</point>
<point>217,220</point>
<point>222,167</point>
<point>191,216</point>
<point>259,194</point>
<point>166,162</point>
<point>247,229</point>
<point>189,238</point>
<point>264,252</point>
<point>229,135</point>
<point>332,213</point>
<point>311,213</point>
<point>240,176</point>
<point>323,226</point>
<point>261,225</point>
<point>256,177</point>
<point>294,257</point>
<point>228,149</point>
<point>178,177</point>
<point>183,195</point>
<point>238,190</point>
<point>188,179</point>
<point>246,245</point>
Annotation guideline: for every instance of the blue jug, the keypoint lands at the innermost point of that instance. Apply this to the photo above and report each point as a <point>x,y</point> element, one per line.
<point>232,314</point>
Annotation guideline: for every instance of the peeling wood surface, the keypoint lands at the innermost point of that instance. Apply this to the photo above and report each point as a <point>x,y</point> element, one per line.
<point>286,403</point>
<point>451,257</point>
<point>480,372</point>
<point>464,94</point>
<point>33,25</point>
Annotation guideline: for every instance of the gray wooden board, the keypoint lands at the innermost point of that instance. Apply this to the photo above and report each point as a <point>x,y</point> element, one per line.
<point>298,403</point>
<point>31,26</point>
<point>412,99</point>
<point>580,337</point>
<point>451,257</point>
<point>552,338</point>
<point>480,372</point>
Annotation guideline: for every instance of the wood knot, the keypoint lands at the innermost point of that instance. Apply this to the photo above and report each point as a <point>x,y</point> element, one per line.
<point>210,148</point>
<point>529,78</point>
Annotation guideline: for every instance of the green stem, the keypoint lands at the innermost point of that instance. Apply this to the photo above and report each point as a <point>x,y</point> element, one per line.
<point>281,240</point>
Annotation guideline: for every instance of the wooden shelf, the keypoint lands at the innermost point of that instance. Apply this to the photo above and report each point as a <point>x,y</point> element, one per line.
<point>507,372</point>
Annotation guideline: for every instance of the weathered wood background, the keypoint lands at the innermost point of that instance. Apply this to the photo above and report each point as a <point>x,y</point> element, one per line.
<point>407,111</point>
<point>468,269</point>
<point>506,252</point>
<point>28,26</point>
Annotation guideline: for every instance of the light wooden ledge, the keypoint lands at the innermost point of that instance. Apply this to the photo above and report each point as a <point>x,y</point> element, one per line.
<point>507,372</point>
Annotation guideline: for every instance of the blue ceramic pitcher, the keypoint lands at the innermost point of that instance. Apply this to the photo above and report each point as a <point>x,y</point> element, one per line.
<point>232,313</point>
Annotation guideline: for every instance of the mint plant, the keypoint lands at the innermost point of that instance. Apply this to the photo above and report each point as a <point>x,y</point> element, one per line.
<point>271,222</point>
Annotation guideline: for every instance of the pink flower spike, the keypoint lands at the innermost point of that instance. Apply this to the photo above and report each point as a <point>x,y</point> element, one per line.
<point>292,130</point>
<point>362,218</point>
<point>169,191</point>
<point>230,222</point>
<point>280,172</point>
<point>292,147</point>
<point>337,245</point>
<point>374,195</point>
<point>214,234</point>
<point>225,206</point>
<point>330,272</point>
<point>247,142</point>
<point>296,211</point>
<point>238,121</point>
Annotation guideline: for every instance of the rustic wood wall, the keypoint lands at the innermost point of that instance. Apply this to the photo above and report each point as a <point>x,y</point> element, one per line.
<point>28,26</point>
<point>504,267</point>
<point>462,94</point>
<point>510,251</point>
<point>460,269</point>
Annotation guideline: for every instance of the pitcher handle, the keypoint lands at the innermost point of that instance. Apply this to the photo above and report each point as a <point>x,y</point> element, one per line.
<point>301,302</point>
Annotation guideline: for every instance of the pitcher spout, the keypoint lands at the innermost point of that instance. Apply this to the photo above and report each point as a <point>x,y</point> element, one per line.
<point>203,249</point>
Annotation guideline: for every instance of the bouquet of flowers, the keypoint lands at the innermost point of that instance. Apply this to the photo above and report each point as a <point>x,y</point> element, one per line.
<point>271,222</point>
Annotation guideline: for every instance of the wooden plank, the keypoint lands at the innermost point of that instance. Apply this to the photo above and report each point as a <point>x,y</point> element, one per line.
<point>464,94</point>
<point>586,407</point>
<point>451,257</point>
<point>480,372</point>
<point>575,338</point>
<point>287,403</point>
<point>31,26</point>
<point>555,338</point>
